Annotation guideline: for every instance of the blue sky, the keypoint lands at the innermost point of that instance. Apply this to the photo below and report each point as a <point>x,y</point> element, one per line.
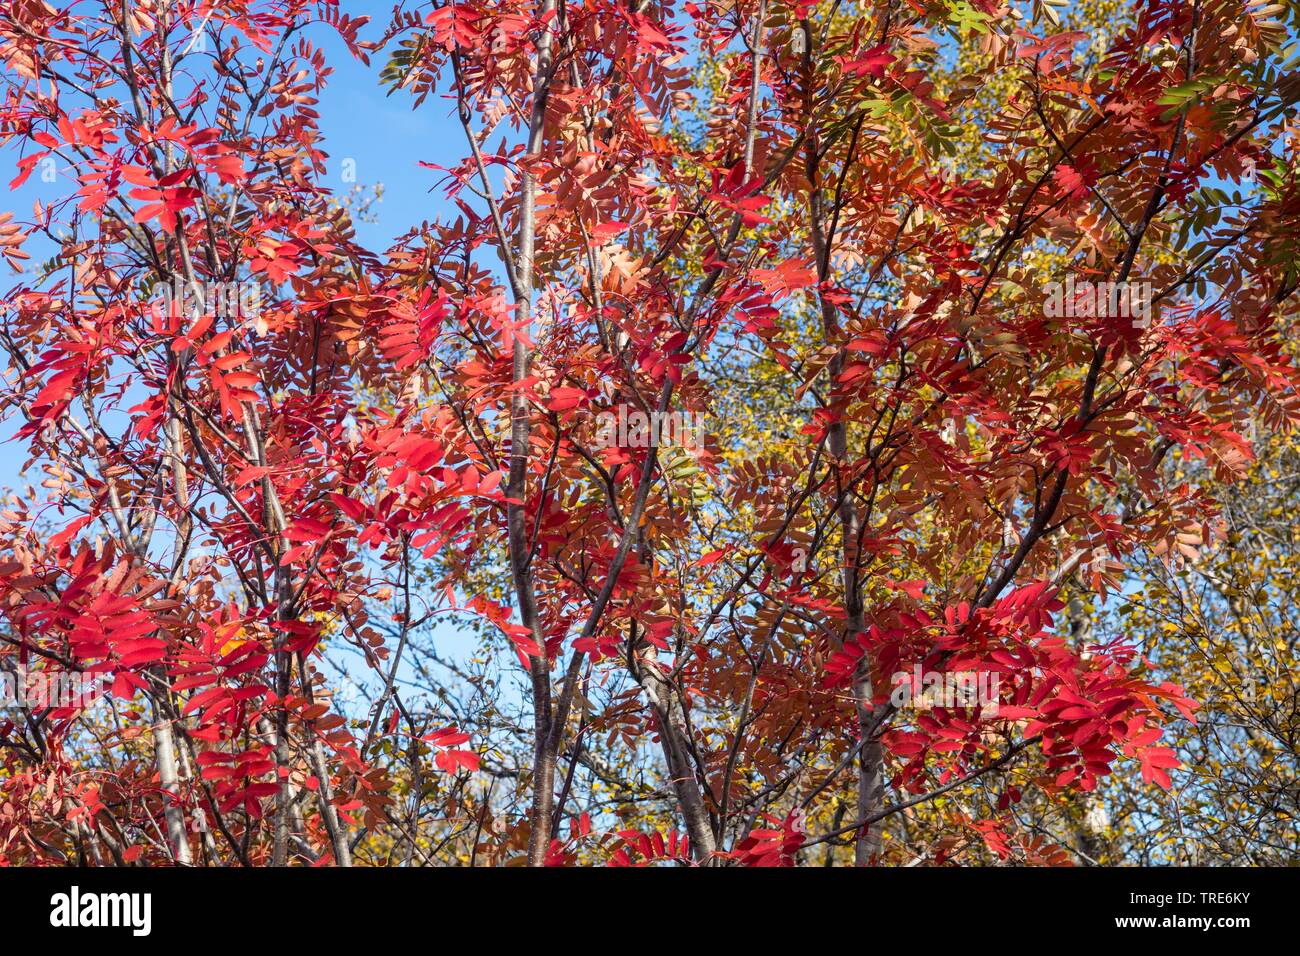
<point>388,140</point>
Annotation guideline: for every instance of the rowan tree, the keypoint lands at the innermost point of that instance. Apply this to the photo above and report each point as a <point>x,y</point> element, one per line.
<point>739,387</point>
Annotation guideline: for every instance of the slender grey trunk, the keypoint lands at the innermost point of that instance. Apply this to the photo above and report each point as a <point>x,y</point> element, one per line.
<point>871,777</point>
<point>164,743</point>
<point>544,754</point>
<point>681,771</point>
<point>338,837</point>
<point>871,780</point>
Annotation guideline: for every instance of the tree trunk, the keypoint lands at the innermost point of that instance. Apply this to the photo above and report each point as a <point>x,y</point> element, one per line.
<point>544,750</point>
<point>164,744</point>
<point>681,771</point>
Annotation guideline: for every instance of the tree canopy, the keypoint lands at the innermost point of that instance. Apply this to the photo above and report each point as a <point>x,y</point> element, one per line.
<point>817,433</point>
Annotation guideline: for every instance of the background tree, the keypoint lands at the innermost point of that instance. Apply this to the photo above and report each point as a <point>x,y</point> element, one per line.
<point>1225,627</point>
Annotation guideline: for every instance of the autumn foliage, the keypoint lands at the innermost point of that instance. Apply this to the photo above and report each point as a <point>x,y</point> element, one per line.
<point>829,232</point>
